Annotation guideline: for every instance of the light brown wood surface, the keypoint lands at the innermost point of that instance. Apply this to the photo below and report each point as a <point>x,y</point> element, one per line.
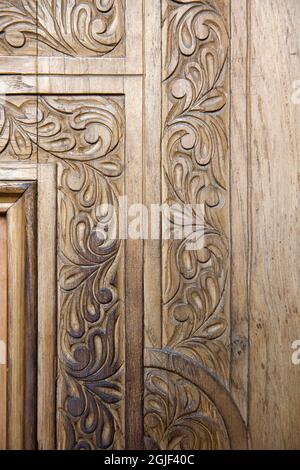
<point>145,343</point>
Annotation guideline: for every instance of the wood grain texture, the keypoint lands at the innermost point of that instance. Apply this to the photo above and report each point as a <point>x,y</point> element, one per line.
<point>12,171</point>
<point>47,306</point>
<point>134,307</point>
<point>196,318</point>
<point>274,135</point>
<point>70,28</point>
<point>16,325</point>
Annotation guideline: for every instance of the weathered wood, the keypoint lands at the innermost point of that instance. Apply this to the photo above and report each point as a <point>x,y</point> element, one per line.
<point>16,325</point>
<point>239,187</point>
<point>3,330</point>
<point>134,319</point>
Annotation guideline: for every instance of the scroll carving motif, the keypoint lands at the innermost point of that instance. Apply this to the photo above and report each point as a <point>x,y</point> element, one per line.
<point>179,416</point>
<point>196,317</point>
<point>68,27</point>
<point>84,136</point>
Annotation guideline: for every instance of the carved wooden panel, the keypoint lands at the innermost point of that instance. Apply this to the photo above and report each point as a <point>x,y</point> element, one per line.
<point>148,343</point>
<point>18,128</point>
<point>91,277</point>
<point>72,28</point>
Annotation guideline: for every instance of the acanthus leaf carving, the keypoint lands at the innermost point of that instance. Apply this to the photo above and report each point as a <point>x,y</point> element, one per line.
<point>84,136</point>
<point>179,416</point>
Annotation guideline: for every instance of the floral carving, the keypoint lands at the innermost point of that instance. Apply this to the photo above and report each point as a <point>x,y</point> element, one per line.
<point>179,416</point>
<point>18,128</point>
<point>85,135</point>
<point>69,27</point>
<point>195,147</point>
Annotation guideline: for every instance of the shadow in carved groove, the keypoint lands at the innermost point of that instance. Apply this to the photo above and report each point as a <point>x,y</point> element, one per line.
<point>68,27</point>
<point>187,408</point>
<point>195,146</point>
<point>84,136</point>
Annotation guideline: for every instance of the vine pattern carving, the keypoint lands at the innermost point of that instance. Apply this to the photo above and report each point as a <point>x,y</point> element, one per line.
<point>68,27</point>
<point>195,143</point>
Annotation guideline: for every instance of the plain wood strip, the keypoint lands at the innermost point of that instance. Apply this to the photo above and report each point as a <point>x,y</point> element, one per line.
<point>134,36</point>
<point>152,170</point>
<point>30,319</point>
<point>14,171</point>
<point>43,84</point>
<point>275,130</point>
<point>4,206</point>
<point>88,85</point>
<point>3,330</point>
<point>238,197</point>
<point>16,237</point>
<point>134,270</point>
<point>47,306</point>
<point>18,84</point>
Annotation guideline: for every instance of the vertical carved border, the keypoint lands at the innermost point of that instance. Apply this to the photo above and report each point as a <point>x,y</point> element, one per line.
<point>85,135</point>
<point>70,28</point>
<point>188,404</point>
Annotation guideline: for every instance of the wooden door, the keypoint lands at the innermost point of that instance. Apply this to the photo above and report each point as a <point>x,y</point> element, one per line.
<point>139,341</point>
